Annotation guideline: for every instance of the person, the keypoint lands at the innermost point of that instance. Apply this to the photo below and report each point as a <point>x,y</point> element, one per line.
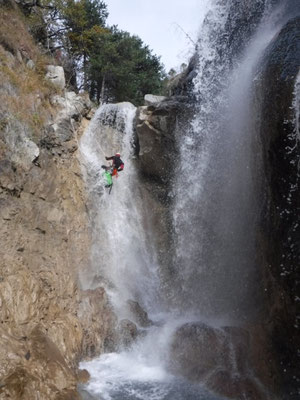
<point>117,164</point>
<point>108,177</point>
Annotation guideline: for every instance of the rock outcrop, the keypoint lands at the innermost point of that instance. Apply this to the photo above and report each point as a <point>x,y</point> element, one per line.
<point>139,314</point>
<point>127,333</point>
<point>157,127</point>
<point>47,322</point>
<point>56,75</point>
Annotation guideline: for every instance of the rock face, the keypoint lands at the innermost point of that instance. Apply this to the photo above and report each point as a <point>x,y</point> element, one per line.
<point>277,95</point>
<point>156,148</point>
<point>99,335</point>
<point>47,323</point>
<point>156,138</point>
<point>61,130</point>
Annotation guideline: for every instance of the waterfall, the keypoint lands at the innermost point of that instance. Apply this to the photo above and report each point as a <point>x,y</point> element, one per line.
<point>218,184</point>
<point>124,260</point>
<point>121,254</point>
<point>215,216</point>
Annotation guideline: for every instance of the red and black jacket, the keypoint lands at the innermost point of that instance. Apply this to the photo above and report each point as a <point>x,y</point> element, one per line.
<point>117,162</point>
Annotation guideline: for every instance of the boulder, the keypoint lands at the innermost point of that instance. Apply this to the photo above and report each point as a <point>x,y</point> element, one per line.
<point>30,64</point>
<point>218,357</point>
<point>83,376</point>
<point>56,75</point>
<point>139,314</point>
<point>151,99</point>
<point>128,332</point>
<point>193,350</point>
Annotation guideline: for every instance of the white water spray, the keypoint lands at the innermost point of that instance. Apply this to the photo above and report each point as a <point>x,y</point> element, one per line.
<point>217,190</point>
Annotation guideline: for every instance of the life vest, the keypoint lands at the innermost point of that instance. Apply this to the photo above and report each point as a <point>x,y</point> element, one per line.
<point>108,177</point>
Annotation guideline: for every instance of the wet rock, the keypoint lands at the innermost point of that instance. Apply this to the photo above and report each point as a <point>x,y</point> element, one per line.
<point>83,376</point>
<point>155,128</point>
<point>139,314</point>
<point>98,322</point>
<point>128,333</point>
<point>193,350</point>
<point>235,386</point>
<point>280,230</point>
<point>217,357</point>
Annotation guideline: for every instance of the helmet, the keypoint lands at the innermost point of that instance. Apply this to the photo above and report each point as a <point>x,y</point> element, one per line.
<point>118,155</point>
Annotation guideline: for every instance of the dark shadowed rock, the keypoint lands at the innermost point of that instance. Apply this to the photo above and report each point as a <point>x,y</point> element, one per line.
<point>193,350</point>
<point>140,315</point>
<point>279,244</point>
<point>155,128</point>
<point>127,332</point>
<point>217,357</point>
<point>235,386</point>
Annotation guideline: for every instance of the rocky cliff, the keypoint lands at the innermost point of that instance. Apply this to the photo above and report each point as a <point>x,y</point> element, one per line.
<point>277,101</point>
<point>47,322</point>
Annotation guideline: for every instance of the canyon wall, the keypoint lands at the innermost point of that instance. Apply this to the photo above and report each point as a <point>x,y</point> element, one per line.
<point>277,112</point>
<point>47,322</point>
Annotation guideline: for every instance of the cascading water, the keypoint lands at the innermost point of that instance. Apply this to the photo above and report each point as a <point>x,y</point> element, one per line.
<point>124,260</point>
<point>218,183</point>
<point>215,211</point>
<point>121,253</point>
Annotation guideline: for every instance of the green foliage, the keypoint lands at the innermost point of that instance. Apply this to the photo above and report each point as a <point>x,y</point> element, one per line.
<point>127,66</point>
<point>111,64</point>
<point>84,21</point>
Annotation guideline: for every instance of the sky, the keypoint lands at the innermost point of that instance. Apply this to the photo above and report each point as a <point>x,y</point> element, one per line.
<point>156,23</point>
